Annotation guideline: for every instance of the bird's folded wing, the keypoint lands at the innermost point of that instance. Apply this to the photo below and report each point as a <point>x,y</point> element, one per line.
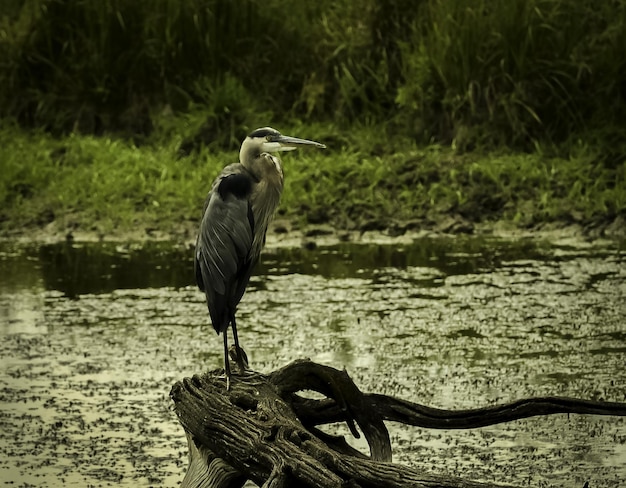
<point>224,242</point>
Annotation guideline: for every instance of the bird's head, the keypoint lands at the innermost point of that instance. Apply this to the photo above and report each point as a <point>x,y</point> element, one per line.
<point>268,140</point>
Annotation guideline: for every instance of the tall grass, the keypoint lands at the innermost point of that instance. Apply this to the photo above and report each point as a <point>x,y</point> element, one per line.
<point>516,71</point>
<point>469,72</point>
<point>112,64</point>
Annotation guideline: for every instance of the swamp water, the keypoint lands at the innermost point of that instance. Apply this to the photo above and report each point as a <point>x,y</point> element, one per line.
<point>94,335</point>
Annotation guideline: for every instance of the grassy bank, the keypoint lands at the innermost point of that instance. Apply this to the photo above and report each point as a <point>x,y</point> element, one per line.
<point>110,186</point>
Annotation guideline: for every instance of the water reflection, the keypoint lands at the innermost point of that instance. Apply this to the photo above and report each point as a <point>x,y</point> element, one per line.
<point>75,268</point>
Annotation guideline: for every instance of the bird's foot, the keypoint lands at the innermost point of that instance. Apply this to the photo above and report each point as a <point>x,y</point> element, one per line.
<point>238,355</point>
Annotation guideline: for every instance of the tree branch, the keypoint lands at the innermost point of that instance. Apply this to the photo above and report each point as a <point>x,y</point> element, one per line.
<point>262,429</point>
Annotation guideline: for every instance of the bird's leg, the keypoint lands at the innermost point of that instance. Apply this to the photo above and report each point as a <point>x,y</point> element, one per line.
<point>240,361</point>
<point>226,363</point>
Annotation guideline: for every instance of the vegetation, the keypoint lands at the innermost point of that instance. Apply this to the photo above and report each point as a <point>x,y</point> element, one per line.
<point>117,113</point>
<point>105,185</point>
<point>504,71</point>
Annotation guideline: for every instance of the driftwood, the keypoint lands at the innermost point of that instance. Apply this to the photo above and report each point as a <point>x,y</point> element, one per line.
<point>264,430</point>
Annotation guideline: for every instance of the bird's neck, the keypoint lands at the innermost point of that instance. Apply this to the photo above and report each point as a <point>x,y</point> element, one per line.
<point>262,166</point>
<point>249,157</point>
<point>265,197</point>
<point>269,173</point>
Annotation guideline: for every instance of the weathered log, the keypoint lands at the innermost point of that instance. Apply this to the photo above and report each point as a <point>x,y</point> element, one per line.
<point>262,429</point>
<point>207,470</point>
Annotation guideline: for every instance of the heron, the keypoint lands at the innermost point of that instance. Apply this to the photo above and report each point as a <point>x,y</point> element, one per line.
<point>237,211</point>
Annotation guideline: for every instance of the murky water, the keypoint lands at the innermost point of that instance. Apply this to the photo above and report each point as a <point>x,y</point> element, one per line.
<point>93,337</point>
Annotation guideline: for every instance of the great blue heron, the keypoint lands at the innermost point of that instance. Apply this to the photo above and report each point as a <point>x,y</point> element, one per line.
<point>237,211</point>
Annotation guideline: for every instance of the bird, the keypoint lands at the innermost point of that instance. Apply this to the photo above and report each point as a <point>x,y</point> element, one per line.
<point>237,211</point>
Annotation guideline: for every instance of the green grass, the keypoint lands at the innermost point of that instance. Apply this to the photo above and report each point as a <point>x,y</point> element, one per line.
<point>96,184</point>
<point>111,186</point>
<point>514,71</point>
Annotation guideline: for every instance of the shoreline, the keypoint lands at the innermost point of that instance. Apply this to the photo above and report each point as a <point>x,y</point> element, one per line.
<point>285,233</point>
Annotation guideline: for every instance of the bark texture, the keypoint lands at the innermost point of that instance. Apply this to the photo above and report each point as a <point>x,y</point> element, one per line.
<point>265,430</point>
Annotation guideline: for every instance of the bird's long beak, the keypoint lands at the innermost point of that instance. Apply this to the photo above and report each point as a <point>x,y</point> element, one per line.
<point>288,143</point>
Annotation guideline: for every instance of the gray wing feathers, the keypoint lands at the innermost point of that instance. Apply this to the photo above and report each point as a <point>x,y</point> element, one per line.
<point>224,242</point>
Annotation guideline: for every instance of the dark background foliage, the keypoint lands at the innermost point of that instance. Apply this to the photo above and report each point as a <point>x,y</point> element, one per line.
<point>470,72</point>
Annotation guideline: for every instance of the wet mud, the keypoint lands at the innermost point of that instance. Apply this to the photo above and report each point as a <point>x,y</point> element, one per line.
<point>94,335</point>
